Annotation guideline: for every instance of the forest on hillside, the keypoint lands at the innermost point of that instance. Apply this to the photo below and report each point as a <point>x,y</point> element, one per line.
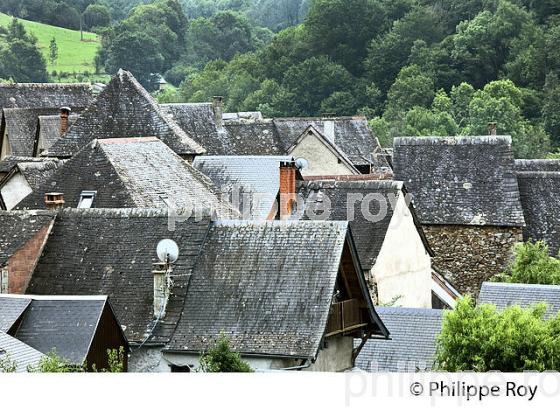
<point>413,67</point>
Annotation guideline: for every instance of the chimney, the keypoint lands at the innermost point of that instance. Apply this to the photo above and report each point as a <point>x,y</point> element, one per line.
<point>54,200</point>
<point>328,130</point>
<point>288,173</point>
<point>492,128</point>
<point>218,107</point>
<point>64,114</point>
<point>162,288</point>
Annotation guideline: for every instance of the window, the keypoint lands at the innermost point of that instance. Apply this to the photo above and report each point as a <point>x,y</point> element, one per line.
<point>180,369</point>
<point>4,280</point>
<point>86,199</point>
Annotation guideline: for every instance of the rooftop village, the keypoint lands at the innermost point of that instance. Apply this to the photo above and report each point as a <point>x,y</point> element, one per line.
<point>160,227</point>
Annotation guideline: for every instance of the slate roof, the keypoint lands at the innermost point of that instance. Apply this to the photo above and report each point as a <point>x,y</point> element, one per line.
<point>460,180</point>
<point>64,324</point>
<point>17,227</point>
<point>257,177</point>
<point>507,294</point>
<point>267,285</point>
<point>540,199</point>
<point>352,135</point>
<point>22,355</point>
<point>37,172</point>
<point>131,173</point>
<point>412,346</point>
<point>41,95</point>
<point>368,235</point>
<point>49,129</point>
<point>111,252</point>
<point>124,109</point>
<point>11,310</point>
<point>196,119</point>
<point>21,126</point>
<point>538,165</point>
<point>8,162</point>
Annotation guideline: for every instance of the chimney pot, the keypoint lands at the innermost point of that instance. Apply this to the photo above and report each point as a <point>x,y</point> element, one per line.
<point>218,107</point>
<point>328,130</point>
<point>54,200</point>
<point>64,115</point>
<point>492,128</point>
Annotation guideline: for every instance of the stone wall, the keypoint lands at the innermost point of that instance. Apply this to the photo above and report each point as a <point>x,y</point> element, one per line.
<point>470,255</point>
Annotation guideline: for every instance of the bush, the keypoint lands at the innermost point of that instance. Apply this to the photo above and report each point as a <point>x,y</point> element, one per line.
<point>482,339</point>
<point>532,264</point>
<point>221,359</point>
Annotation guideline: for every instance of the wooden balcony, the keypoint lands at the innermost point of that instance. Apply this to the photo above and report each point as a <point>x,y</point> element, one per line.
<point>344,317</point>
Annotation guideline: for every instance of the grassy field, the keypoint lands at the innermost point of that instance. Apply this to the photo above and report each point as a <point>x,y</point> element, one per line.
<point>74,56</point>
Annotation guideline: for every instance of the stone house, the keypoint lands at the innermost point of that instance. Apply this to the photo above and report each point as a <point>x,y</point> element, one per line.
<point>394,253</point>
<point>539,184</point>
<point>22,104</point>
<point>467,197</point>
<point>80,329</point>
<point>288,294</point>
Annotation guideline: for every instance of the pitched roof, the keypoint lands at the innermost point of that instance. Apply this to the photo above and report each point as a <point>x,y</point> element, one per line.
<point>412,346</point>
<point>22,355</point>
<point>8,162</point>
<point>257,177</point>
<point>49,129</point>
<point>17,227</point>
<point>252,138</point>
<point>369,235</point>
<point>124,109</point>
<point>351,134</point>
<point>267,285</point>
<point>111,252</point>
<point>507,294</point>
<point>37,172</point>
<point>21,126</point>
<point>132,173</point>
<point>540,199</point>
<point>11,310</point>
<point>196,119</point>
<point>64,324</point>
<point>41,95</point>
<point>460,180</point>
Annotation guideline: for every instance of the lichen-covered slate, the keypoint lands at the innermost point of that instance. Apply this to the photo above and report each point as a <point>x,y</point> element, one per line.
<point>17,227</point>
<point>460,180</point>
<point>538,165</point>
<point>37,172</point>
<point>21,127</point>
<point>11,310</point>
<point>267,285</point>
<point>124,109</point>
<point>111,252</point>
<point>540,198</point>
<point>45,95</point>
<point>131,173</point>
<point>49,129</point>
<point>412,346</point>
<point>9,161</point>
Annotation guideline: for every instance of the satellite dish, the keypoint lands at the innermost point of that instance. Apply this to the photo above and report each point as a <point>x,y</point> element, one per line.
<point>301,163</point>
<point>167,251</point>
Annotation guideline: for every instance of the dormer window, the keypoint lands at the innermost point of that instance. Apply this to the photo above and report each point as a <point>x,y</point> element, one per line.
<point>86,199</point>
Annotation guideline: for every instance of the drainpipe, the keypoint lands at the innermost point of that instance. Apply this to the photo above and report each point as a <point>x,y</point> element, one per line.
<point>305,365</point>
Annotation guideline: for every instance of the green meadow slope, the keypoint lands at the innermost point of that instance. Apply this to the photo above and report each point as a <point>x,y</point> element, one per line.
<point>74,55</point>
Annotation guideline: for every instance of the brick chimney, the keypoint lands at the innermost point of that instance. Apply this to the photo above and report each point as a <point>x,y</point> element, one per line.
<point>492,128</point>
<point>328,130</point>
<point>218,107</point>
<point>64,114</point>
<point>162,288</point>
<point>54,200</point>
<point>288,172</point>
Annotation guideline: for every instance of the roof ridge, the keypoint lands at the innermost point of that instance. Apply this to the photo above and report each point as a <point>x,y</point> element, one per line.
<point>454,140</point>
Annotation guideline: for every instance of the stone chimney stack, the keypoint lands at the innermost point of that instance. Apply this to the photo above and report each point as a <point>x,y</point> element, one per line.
<point>54,200</point>
<point>162,288</point>
<point>288,172</point>
<point>218,107</point>
<point>492,128</point>
<point>64,114</point>
<point>328,130</point>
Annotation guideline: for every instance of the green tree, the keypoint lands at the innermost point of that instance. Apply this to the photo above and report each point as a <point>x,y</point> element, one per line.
<point>412,88</point>
<point>97,15</point>
<point>532,264</point>
<point>53,51</point>
<point>221,359</point>
<point>482,339</point>
<point>551,108</point>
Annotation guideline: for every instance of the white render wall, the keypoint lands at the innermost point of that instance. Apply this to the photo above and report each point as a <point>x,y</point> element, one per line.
<point>403,267</point>
<point>321,159</point>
